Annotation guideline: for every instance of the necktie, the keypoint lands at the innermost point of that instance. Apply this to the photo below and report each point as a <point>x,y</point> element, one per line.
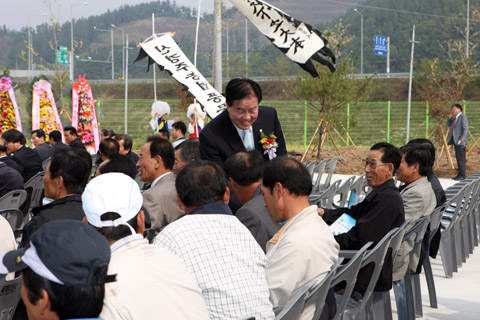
<point>247,142</point>
<point>454,120</point>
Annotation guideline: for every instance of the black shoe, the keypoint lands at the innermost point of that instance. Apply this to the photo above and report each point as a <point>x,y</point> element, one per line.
<point>458,178</point>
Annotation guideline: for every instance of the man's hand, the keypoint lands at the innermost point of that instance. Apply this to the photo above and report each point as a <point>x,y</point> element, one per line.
<point>452,114</point>
<point>462,140</point>
<point>320,212</point>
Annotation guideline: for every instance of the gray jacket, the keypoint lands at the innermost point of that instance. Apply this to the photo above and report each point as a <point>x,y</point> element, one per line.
<point>460,131</point>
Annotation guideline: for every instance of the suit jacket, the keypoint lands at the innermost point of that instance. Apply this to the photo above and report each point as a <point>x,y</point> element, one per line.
<point>256,218</point>
<point>60,146</point>
<point>419,201</point>
<point>161,203</point>
<point>460,131</point>
<point>77,144</point>
<point>44,151</point>
<point>28,161</point>
<point>219,139</point>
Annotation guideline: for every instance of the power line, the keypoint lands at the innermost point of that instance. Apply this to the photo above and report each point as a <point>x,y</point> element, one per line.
<point>399,11</point>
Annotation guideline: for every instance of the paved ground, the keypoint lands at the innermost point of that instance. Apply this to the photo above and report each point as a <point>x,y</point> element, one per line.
<point>458,297</point>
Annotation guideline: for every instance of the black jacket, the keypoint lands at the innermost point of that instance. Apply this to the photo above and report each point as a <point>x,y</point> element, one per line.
<point>68,207</point>
<point>28,161</point>
<point>219,139</point>
<point>380,211</point>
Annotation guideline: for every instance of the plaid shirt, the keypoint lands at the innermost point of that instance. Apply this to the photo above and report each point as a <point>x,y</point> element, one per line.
<point>225,259</point>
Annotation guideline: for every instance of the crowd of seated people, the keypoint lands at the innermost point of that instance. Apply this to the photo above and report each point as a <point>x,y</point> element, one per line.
<point>203,261</point>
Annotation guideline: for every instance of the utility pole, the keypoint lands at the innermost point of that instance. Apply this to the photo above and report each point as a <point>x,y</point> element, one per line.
<point>217,74</point>
<point>361,39</point>
<point>410,84</point>
<point>126,85</point>
<point>468,28</point>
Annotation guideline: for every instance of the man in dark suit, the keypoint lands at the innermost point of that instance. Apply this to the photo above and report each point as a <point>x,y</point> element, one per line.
<point>56,141</point>
<point>27,159</point>
<point>43,149</point>
<point>71,137</point>
<point>238,127</point>
<point>244,172</point>
<point>458,136</point>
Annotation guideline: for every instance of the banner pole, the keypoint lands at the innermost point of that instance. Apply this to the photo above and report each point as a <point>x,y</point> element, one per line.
<point>305,127</point>
<point>348,123</point>
<point>388,121</point>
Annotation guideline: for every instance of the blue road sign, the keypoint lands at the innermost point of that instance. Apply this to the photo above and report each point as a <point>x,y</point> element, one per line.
<point>380,46</point>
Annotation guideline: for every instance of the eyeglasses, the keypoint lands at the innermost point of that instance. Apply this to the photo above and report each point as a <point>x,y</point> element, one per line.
<point>372,165</point>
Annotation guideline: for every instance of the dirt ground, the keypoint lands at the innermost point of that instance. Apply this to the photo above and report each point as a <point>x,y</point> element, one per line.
<point>351,161</point>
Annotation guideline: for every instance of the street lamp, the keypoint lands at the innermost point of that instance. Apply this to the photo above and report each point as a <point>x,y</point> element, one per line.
<point>111,36</point>
<point>30,44</point>
<point>123,49</point>
<point>72,62</point>
<point>361,39</point>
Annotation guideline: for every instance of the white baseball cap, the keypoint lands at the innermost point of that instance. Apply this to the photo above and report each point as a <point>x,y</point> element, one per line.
<point>111,192</point>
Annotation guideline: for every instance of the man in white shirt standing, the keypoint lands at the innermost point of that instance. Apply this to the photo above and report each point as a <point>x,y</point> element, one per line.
<point>304,249</point>
<point>152,283</point>
<point>155,167</point>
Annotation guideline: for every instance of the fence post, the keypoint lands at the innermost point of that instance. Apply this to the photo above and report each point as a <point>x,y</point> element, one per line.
<point>305,127</point>
<point>348,123</point>
<point>388,121</point>
<point>464,107</point>
<point>426,122</point>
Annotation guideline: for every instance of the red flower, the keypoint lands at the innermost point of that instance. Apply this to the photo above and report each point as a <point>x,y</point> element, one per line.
<point>270,141</point>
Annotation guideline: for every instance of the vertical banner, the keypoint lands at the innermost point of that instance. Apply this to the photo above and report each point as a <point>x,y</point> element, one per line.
<point>168,55</point>
<point>299,41</point>
<point>9,115</point>
<point>84,115</point>
<point>44,110</point>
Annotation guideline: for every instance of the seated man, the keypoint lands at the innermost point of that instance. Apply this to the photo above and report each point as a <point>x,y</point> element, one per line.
<point>10,179</point>
<point>304,248</point>
<point>178,133</point>
<point>65,178</point>
<point>43,149</point>
<point>126,144</point>
<point>244,172</point>
<point>185,153</point>
<point>7,158</point>
<point>28,160</point>
<point>164,134</point>
<point>56,141</point>
<point>432,246</point>
<point>118,163</point>
<point>108,147</point>
<point>152,282</point>
<point>155,167</point>
<point>380,211</point>
<point>71,137</point>
<point>69,284</point>
<point>227,262</point>
<point>418,200</point>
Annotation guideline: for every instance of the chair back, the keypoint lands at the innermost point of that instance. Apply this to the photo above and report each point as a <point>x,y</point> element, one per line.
<point>330,167</point>
<point>318,294</point>
<point>435,220</point>
<point>14,199</point>
<point>375,257</point>
<point>45,163</point>
<point>310,166</point>
<point>13,216</point>
<point>348,274</point>
<point>397,238</point>
<point>317,175</point>
<point>418,231</point>
<point>293,309</point>
<point>340,198</point>
<point>325,199</point>
<point>357,190</point>
<point>9,296</point>
<point>35,187</point>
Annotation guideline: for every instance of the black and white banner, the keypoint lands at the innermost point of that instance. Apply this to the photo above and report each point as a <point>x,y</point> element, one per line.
<point>299,41</point>
<point>168,55</point>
